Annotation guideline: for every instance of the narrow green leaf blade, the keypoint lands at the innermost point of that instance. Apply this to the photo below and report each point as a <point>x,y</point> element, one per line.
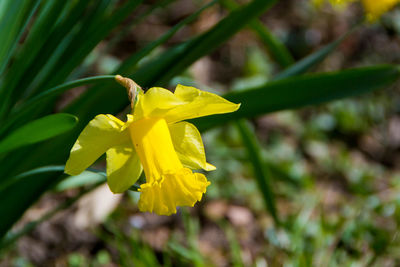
<point>312,60</point>
<point>38,130</point>
<point>21,112</point>
<point>304,90</point>
<point>37,36</point>
<point>262,175</point>
<point>276,48</point>
<point>15,15</point>
<point>85,178</point>
<point>182,56</point>
<point>129,65</point>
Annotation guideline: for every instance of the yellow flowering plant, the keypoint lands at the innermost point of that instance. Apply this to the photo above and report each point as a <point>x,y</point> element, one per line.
<point>373,8</point>
<point>154,139</point>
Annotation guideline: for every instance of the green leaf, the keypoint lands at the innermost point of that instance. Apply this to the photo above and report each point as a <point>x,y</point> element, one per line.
<point>6,183</point>
<point>310,61</point>
<point>85,178</point>
<point>72,38</point>
<point>169,64</point>
<point>23,109</point>
<point>129,65</point>
<point>128,29</point>
<point>179,58</point>
<point>277,49</point>
<point>310,89</point>
<point>15,15</point>
<point>11,237</point>
<point>76,53</point>
<point>16,197</point>
<point>262,174</point>
<point>37,131</point>
<point>55,44</point>
<point>39,33</point>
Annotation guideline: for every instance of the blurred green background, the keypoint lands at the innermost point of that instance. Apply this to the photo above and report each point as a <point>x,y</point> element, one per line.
<point>314,186</point>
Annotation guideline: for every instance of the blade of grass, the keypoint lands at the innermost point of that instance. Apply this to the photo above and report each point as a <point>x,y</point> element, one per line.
<point>262,174</point>
<point>234,245</point>
<point>191,227</point>
<point>261,169</point>
<point>277,49</point>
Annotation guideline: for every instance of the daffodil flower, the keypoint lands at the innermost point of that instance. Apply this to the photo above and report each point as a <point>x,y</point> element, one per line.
<point>154,139</point>
<point>375,8</point>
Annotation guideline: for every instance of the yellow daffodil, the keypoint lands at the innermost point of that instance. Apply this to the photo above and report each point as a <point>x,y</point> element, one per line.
<point>375,8</point>
<point>154,139</point>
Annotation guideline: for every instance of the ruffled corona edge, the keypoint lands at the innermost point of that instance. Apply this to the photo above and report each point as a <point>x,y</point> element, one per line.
<point>182,188</point>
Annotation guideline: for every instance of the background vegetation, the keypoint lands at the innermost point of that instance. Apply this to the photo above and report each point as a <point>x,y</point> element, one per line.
<point>301,181</point>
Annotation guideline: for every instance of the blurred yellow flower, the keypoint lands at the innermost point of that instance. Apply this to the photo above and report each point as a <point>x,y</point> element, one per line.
<point>336,3</point>
<point>155,139</point>
<point>375,8</point>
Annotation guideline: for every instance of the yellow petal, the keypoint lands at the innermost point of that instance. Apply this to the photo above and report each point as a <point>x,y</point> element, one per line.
<point>186,103</point>
<point>183,188</point>
<point>198,104</point>
<point>152,141</point>
<point>189,146</point>
<point>123,167</point>
<point>103,132</point>
<point>155,102</point>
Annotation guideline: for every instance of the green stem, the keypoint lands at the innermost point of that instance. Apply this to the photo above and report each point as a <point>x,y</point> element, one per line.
<point>261,172</point>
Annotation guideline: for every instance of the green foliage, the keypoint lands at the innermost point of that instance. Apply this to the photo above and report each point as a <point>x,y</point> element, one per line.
<point>261,171</point>
<point>43,52</point>
<point>20,192</point>
<point>304,90</point>
<point>37,131</point>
